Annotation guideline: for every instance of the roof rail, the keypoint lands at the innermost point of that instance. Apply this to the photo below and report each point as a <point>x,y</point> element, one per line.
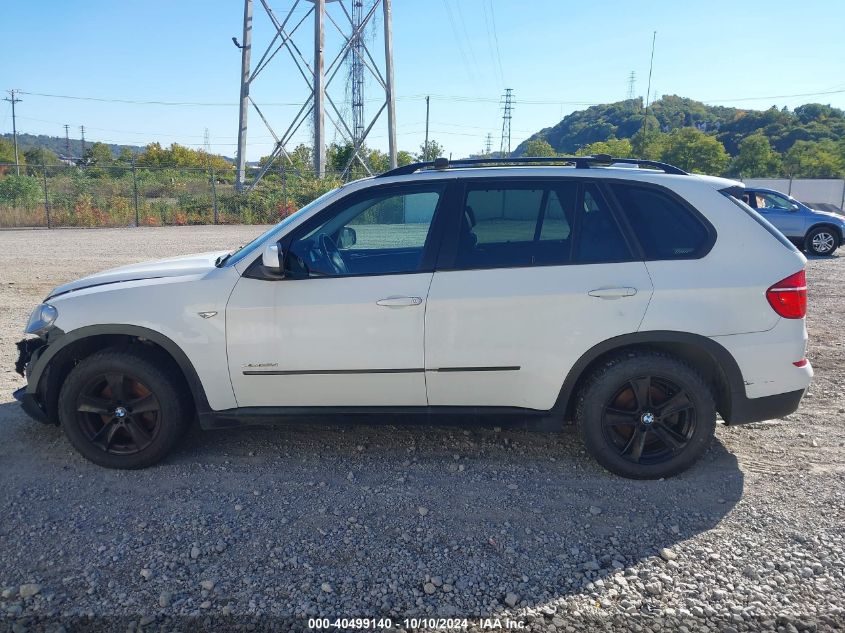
<point>580,162</point>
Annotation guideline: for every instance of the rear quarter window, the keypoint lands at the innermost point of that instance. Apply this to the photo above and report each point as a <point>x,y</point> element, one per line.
<point>734,194</point>
<point>664,226</point>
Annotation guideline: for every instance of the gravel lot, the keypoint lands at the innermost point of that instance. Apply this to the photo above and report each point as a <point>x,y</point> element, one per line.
<point>264,528</point>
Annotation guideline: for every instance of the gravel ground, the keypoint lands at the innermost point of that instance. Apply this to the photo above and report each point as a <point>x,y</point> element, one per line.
<point>265,528</point>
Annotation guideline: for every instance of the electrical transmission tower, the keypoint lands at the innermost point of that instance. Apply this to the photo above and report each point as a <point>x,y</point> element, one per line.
<point>632,81</point>
<point>67,142</point>
<point>318,72</point>
<point>488,144</point>
<point>507,115</point>
<point>357,72</point>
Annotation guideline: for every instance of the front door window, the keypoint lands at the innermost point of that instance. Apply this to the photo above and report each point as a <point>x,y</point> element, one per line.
<point>374,234</point>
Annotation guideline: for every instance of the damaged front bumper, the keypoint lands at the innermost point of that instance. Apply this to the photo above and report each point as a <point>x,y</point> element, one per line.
<point>29,349</point>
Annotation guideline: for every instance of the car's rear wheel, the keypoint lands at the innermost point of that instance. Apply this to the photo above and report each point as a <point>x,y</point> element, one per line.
<point>821,241</point>
<point>646,415</point>
<point>122,409</point>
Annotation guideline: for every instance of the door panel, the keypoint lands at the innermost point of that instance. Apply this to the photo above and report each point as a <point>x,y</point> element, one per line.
<point>539,272</point>
<point>539,319</point>
<point>326,342</point>
<point>778,210</point>
<point>345,326</point>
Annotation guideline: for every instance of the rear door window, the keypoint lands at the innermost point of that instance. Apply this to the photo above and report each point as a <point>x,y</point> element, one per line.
<point>599,237</point>
<point>664,227</point>
<point>517,225</point>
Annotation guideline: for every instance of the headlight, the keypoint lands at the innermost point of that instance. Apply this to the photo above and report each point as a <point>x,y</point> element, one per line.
<point>41,319</point>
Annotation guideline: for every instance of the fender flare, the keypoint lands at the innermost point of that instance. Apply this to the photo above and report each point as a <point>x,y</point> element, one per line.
<point>57,344</point>
<point>721,357</point>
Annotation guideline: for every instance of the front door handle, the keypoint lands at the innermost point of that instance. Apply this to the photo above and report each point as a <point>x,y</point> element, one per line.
<point>399,302</point>
<point>612,293</point>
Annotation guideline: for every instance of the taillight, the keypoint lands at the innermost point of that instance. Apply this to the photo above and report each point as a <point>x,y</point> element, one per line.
<point>788,297</point>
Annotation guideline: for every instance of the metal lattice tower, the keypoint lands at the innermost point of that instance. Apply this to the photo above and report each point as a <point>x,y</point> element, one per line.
<point>318,76</point>
<point>632,81</point>
<point>507,115</point>
<point>488,144</point>
<point>67,142</point>
<point>357,71</point>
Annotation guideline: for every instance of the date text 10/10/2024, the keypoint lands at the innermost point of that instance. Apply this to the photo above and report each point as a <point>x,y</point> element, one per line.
<point>416,623</point>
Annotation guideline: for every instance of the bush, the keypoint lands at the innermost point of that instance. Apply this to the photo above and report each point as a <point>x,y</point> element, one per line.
<point>21,191</point>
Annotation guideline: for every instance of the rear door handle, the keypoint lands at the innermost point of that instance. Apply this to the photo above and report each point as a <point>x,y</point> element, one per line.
<point>399,302</point>
<point>612,293</point>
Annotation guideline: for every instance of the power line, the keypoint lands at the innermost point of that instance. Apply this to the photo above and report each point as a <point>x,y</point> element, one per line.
<point>415,97</point>
<point>458,39</point>
<point>496,39</point>
<point>150,102</point>
<point>805,94</point>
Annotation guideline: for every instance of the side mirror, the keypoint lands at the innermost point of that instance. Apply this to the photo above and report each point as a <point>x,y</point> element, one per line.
<point>348,237</point>
<point>271,258</point>
<point>794,207</point>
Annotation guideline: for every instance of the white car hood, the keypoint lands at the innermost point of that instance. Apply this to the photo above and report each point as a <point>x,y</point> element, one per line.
<point>171,267</point>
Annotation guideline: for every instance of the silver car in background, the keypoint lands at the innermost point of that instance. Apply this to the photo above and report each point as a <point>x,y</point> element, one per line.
<point>816,232</point>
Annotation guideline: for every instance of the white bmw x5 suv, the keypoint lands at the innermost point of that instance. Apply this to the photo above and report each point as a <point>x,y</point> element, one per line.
<point>625,295</point>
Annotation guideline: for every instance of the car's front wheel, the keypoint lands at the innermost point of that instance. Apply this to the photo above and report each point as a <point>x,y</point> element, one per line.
<point>122,409</point>
<point>821,241</point>
<point>646,415</point>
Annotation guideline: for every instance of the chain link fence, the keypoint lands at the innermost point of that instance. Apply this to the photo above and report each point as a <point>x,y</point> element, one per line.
<point>126,195</point>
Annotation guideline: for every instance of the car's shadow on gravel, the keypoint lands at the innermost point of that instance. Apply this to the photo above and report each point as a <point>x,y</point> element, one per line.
<point>361,520</point>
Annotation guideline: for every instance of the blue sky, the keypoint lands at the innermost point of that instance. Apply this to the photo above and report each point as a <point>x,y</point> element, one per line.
<point>557,55</point>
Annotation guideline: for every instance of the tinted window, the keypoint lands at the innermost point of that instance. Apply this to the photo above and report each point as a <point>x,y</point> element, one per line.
<point>516,226</point>
<point>599,237</point>
<point>380,233</point>
<point>665,228</point>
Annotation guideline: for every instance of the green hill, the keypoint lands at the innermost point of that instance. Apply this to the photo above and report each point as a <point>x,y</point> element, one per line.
<point>57,144</point>
<point>623,119</point>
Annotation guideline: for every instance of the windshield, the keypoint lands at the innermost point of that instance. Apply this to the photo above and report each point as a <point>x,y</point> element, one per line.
<point>240,253</point>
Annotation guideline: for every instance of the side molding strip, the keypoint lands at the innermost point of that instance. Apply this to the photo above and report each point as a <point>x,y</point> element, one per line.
<point>329,372</point>
<point>342,372</point>
<point>502,368</point>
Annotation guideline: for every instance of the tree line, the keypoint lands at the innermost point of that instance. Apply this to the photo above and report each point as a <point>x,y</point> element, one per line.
<point>807,142</point>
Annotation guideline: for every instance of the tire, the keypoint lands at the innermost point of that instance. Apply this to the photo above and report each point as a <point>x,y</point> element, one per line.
<point>618,432</point>
<point>821,241</point>
<point>122,409</point>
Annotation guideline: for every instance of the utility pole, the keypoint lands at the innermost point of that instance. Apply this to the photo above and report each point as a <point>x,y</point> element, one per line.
<point>425,157</point>
<point>13,100</point>
<point>507,114</point>
<point>246,47</point>
<point>648,89</point>
<point>82,133</point>
<point>67,142</point>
